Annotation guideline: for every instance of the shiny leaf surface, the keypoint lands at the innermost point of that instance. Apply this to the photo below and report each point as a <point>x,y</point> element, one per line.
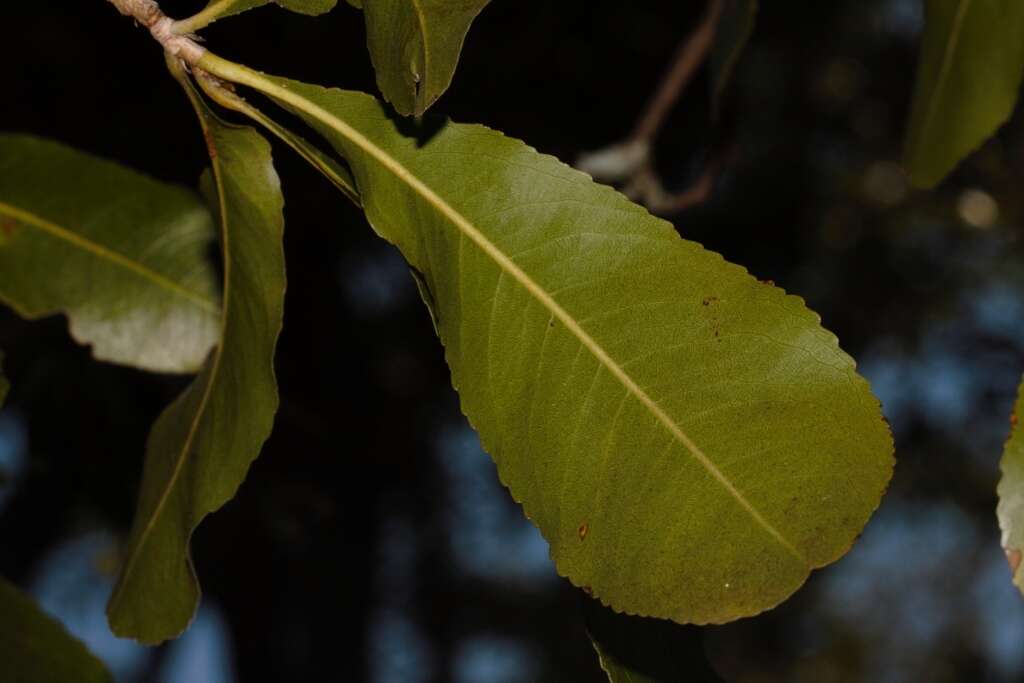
<point>970,69</point>
<point>123,255</point>
<point>36,648</point>
<point>415,47</point>
<point>689,440</point>
<point>201,447</point>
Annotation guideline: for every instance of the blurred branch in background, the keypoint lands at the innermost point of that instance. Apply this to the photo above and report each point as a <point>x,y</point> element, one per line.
<point>630,163</point>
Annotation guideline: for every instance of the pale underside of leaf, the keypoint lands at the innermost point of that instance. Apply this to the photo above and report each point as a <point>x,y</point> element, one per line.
<point>1011,495</point>
<point>690,441</point>
<point>124,256</point>
<point>970,70</point>
<point>201,447</point>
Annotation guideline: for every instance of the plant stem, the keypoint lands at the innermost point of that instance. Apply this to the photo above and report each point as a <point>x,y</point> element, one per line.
<point>148,13</point>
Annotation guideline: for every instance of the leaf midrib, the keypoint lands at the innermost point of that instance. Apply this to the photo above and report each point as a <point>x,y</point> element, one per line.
<point>104,253</point>
<point>947,64</point>
<point>217,358</point>
<point>255,80</point>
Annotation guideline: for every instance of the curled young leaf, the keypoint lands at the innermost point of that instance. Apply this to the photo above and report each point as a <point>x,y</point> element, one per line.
<point>1011,495</point>
<point>36,648</point>
<point>689,440</point>
<point>415,47</point>
<point>968,77</point>
<point>123,255</point>
<point>201,447</point>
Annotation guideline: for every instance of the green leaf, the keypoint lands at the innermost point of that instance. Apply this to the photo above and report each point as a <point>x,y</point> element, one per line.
<point>735,26</point>
<point>689,440</point>
<point>1011,495</point>
<point>640,650</point>
<point>970,69</point>
<point>123,255</point>
<point>201,447</point>
<point>35,648</point>
<point>415,46</point>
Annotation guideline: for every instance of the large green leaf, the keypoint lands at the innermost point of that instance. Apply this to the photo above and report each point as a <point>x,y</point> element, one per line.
<point>971,64</point>
<point>415,47</point>
<point>735,26</point>
<point>1011,495</point>
<point>201,447</point>
<point>123,255</point>
<point>35,648</point>
<point>689,440</point>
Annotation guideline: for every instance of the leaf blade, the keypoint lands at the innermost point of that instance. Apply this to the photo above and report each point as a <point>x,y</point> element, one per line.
<point>1010,490</point>
<point>121,254</point>
<point>201,447</point>
<point>415,47</point>
<point>538,275</point>
<point>36,648</point>
<point>969,74</point>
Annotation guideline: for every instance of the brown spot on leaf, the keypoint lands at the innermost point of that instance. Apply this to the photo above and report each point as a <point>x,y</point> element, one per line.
<point>710,300</point>
<point>8,226</point>
<point>770,283</point>
<point>211,148</point>
<point>1013,419</point>
<point>1013,557</point>
<point>584,528</point>
<point>588,590</point>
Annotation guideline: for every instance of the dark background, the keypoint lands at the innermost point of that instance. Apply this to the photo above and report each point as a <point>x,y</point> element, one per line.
<point>371,541</point>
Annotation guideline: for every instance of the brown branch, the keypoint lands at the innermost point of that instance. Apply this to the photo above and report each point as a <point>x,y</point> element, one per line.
<point>149,14</point>
<point>689,56</point>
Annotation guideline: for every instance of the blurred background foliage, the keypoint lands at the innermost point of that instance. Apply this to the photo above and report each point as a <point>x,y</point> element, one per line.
<point>372,541</point>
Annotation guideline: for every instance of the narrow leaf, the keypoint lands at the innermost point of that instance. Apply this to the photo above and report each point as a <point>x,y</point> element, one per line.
<point>970,69</point>
<point>689,440</point>
<point>641,650</point>
<point>1011,495</point>
<point>36,648</point>
<point>201,447</point>
<point>735,26</point>
<point>123,255</point>
<point>415,47</point>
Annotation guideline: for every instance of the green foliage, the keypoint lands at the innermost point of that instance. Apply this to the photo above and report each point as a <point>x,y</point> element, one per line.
<point>1011,495</point>
<point>201,447</point>
<point>735,26</point>
<point>716,425</point>
<point>35,648</point>
<point>415,47</point>
<point>122,254</point>
<point>971,64</point>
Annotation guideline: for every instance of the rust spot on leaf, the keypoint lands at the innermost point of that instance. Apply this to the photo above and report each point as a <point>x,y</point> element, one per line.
<point>770,283</point>
<point>211,148</point>
<point>1013,557</point>
<point>584,528</point>
<point>710,300</point>
<point>588,590</point>
<point>8,226</point>
<point>1013,419</point>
